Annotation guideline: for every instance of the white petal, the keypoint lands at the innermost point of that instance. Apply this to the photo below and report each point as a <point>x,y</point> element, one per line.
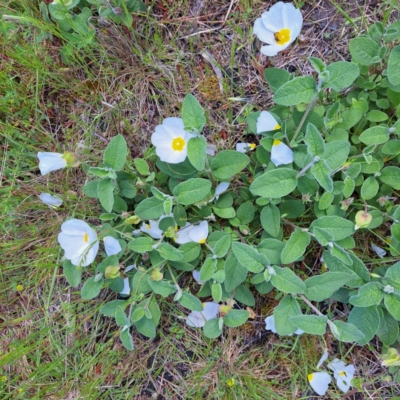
<point>270,324</point>
<point>273,49</point>
<point>174,126</point>
<point>292,20</point>
<point>73,245</point>
<point>182,236</point>
<point>221,188</point>
<point>199,233</point>
<point>343,374</point>
<point>298,332</point>
<point>378,250</point>
<point>336,366</point>
<point>152,229</point>
<point>323,358</point>
<point>273,18</point>
<point>266,122</point>
<point>211,310</point>
<point>196,276</point>
<point>49,162</point>
<point>195,319</point>
<point>264,34</point>
<point>319,381</point>
<point>49,200</point>
<point>126,290</point>
<point>111,245</point>
<point>211,149</point>
<point>245,147</point>
<point>281,154</point>
<point>137,232</point>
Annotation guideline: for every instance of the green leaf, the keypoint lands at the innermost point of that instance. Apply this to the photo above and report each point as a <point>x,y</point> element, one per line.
<point>274,183</point>
<point>313,140</point>
<point>393,70</point>
<point>128,190</point>
<point>109,308</point>
<point>388,329</point>
<point>272,248</point>
<point>276,77</point>
<point>126,339</point>
<point>249,257</point>
<point>150,208</point>
<point>391,147</point>
<point>91,289</point>
<point>370,294</point>
<point>325,200</point>
<point>271,219</point>
<point>391,176</point>
<point>322,173</point>
<point>120,318</point>
<point>366,320</point>
<point>336,154</point>
<point>392,303</point>
<point>375,135</point>
<point>208,269</point>
<point>235,273</point>
<point>243,295</point>
<point>228,163</point>
<point>369,188</point>
<point>105,191</point>
<point>211,328</point>
<point>90,189</point>
<point>141,245</point>
<point>169,252</point>
<point>299,90</point>
<point>312,324</point>
<point>162,287</point>
<point>193,114</point>
<point>283,313</point>
<point>295,246</point>
<point>226,213</point>
<point>190,251</point>
<point>197,152</point>
<point>364,50</point>
<point>287,281</point>
<point>393,275</point>
<point>116,152</point>
<point>141,166</point>
<point>192,191</point>
<point>245,212</point>
<point>146,327</point>
<point>345,332</point>
<point>376,116</point>
<point>222,246</point>
<point>335,227</point>
<point>183,170</point>
<point>190,302</point>
<point>321,287</point>
<point>341,75</point>
<point>235,318</point>
<point>72,273</point>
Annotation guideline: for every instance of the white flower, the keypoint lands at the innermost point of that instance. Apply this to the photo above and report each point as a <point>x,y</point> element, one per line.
<point>196,276</point>
<point>266,122</point>
<point>49,200</point>
<point>182,236</point>
<point>378,250</point>
<point>270,325</point>
<point>221,188</point>
<point>278,27</point>
<point>319,381</point>
<point>170,140</point>
<point>343,374</point>
<point>127,289</point>
<point>280,153</point>
<point>111,245</point>
<point>152,229</point>
<point>323,358</point>
<point>192,233</point>
<point>197,319</point>
<point>245,147</point>
<point>79,241</point>
<point>49,162</point>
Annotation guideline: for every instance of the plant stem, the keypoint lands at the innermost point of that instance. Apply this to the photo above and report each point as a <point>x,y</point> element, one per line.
<point>311,305</point>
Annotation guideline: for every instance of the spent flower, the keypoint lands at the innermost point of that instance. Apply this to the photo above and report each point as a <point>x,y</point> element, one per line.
<point>197,319</point>
<point>51,201</point>
<point>281,153</point>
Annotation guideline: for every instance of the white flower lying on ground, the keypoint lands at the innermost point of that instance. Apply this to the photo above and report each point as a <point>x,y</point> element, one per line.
<point>278,27</point>
<point>343,374</point>
<point>281,154</point>
<point>266,122</point>
<point>245,147</point>
<point>51,201</point>
<point>127,289</point>
<point>197,319</point>
<point>378,250</point>
<point>152,229</point>
<point>170,140</point>
<point>270,325</point>
<point>49,162</point>
<point>192,233</point>
<point>319,381</point>
<point>79,241</point>
<point>111,245</point>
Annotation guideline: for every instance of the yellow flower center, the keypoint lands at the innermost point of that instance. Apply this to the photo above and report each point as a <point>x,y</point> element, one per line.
<point>20,287</point>
<point>277,142</point>
<point>277,126</point>
<point>282,36</point>
<point>310,377</point>
<point>252,145</point>
<point>86,238</point>
<point>202,241</point>
<point>178,144</point>
<point>342,373</point>
<point>148,226</point>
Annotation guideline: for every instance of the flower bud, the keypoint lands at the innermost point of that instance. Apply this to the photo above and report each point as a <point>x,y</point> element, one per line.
<point>134,220</point>
<point>156,275</point>
<point>71,159</point>
<point>363,219</point>
<point>112,272</point>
